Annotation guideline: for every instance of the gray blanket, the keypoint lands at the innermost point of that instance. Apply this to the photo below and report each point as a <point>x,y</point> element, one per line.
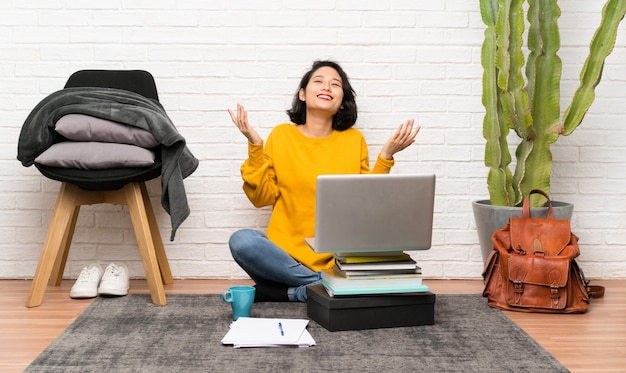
<point>121,106</point>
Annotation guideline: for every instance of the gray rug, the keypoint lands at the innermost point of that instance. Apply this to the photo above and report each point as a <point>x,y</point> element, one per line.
<point>130,334</point>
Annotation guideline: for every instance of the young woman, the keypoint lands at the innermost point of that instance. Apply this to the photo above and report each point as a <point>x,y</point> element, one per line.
<point>283,174</point>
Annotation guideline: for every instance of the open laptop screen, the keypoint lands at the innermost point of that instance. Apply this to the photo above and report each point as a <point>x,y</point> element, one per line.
<point>373,213</point>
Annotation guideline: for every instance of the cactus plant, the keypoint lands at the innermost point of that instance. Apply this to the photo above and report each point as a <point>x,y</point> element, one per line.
<point>531,107</point>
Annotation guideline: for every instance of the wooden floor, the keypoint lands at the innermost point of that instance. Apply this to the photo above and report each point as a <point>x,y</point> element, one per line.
<point>592,342</point>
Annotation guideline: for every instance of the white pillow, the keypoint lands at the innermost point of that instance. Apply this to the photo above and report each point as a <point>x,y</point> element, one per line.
<point>80,127</point>
<point>95,155</point>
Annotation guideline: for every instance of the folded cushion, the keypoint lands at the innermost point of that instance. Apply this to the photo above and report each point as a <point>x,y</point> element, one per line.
<point>95,155</point>
<point>80,127</point>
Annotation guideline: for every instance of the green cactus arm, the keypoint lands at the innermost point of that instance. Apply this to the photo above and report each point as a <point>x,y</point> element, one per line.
<point>538,169</point>
<point>489,11</point>
<point>503,56</point>
<point>522,153</point>
<point>517,108</point>
<point>515,104</point>
<point>543,71</point>
<point>544,65</point>
<point>601,46</point>
<point>497,156</point>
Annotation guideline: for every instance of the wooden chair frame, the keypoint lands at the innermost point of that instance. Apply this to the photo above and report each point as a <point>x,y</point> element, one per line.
<point>61,230</point>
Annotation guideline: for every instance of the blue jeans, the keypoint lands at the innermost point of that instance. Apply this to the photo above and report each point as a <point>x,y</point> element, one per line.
<point>264,261</point>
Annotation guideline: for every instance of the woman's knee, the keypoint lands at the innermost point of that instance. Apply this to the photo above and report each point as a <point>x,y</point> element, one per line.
<point>242,241</point>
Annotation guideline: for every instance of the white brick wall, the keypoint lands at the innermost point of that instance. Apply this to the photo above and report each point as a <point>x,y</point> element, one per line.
<point>405,58</point>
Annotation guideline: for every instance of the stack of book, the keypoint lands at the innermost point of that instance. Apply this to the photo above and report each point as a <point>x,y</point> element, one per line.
<point>373,273</point>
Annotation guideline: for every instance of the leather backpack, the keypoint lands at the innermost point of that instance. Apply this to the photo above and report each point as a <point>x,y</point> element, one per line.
<point>532,266</point>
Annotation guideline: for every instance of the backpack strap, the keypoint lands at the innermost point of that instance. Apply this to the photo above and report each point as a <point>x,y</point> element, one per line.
<point>595,291</point>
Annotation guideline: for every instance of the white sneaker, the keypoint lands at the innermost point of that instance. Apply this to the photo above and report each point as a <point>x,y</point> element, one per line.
<point>115,280</point>
<point>86,285</point>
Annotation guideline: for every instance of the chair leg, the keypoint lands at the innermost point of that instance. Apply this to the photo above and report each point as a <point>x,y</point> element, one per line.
<point>57,230</point>
<point>59,265</point>
<point>143,234</point>
<point>164,265</point>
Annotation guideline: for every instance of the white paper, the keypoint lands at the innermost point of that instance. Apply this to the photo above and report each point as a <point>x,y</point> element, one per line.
<point>268,332</point>
<point>305,341</point>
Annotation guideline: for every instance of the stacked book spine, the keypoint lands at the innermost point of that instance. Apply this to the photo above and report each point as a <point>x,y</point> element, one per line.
<point>373,273</point>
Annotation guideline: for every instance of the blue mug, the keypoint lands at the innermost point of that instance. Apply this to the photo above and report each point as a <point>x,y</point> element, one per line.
<point>241,299</point>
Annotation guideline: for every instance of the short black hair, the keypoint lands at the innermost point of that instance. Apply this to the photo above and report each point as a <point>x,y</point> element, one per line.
<point>345,117</point>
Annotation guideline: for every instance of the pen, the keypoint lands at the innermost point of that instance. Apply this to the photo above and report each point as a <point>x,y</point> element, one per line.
<point>280,327</point>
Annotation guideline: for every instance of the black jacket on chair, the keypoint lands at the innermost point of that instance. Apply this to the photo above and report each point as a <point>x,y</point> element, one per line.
<point>121,106</point>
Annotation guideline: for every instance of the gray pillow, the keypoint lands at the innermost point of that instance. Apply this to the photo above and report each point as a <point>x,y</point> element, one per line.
<point>95,155</point>
<point>80,127</point>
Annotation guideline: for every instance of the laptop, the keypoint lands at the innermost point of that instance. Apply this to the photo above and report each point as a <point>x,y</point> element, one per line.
<point>365,213</point>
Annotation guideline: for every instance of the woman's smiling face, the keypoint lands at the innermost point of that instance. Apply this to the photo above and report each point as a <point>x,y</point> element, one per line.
<point>324,90</point>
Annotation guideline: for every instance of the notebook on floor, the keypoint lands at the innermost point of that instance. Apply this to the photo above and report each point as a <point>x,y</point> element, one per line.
<point>367,213</point>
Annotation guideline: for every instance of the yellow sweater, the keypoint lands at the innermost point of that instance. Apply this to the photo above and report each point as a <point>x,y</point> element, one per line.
<point>283,175</point>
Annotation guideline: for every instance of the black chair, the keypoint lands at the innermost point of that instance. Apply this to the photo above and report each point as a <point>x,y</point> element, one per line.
<point>124,186</point>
